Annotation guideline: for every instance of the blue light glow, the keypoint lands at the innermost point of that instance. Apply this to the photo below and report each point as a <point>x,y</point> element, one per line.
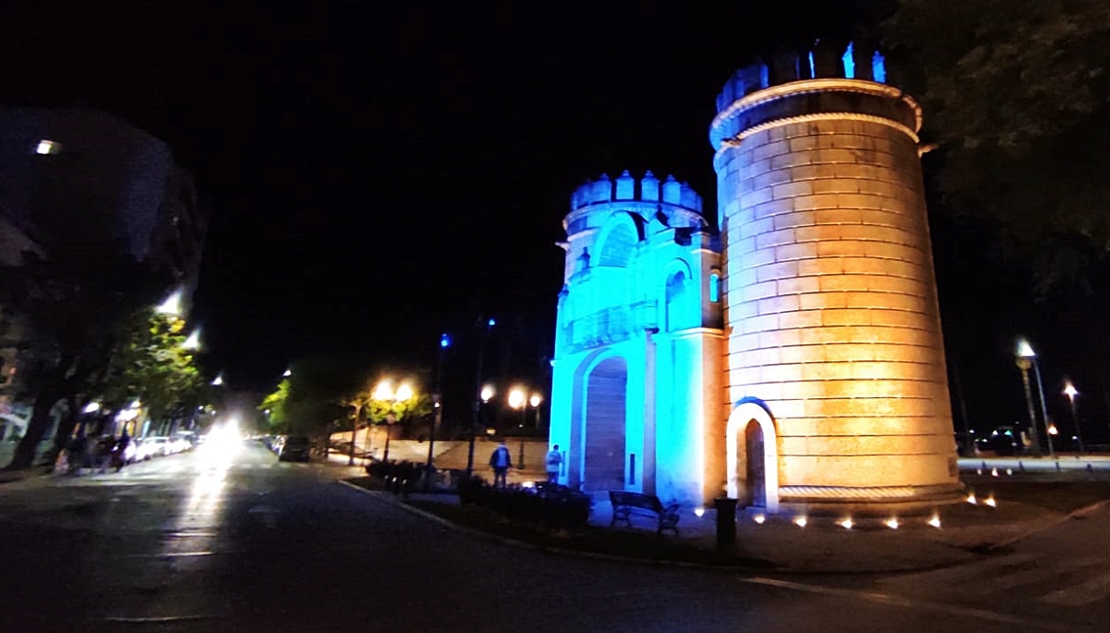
<point>849,63</point>
<point>878,67</point>
<point>714,287</point>
<point>812,66</point>
<point>492,322</point>
<point>445,340</point>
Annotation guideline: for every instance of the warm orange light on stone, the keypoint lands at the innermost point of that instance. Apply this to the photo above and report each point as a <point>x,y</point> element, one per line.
<point>832,318</point>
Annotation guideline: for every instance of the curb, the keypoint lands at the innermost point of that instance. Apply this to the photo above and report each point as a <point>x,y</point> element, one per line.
<point>654,562</point>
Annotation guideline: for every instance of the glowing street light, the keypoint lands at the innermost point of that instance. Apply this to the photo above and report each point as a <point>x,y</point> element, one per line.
<point>488,392</point>
<point>193,341</point>
<point>1027,358</point>
<point>518,399</point>
<point>219,380</point>
<point>1071,392</point>
<point>437,420</point>
<point>171,306</point>
<point>92,407</point>
<point>287,373</point>
<point>385,391</point>
<point>483,334</point>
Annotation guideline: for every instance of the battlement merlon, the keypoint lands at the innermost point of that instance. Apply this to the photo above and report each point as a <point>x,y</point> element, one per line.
<point>677,199</point>
<point>847,77</point>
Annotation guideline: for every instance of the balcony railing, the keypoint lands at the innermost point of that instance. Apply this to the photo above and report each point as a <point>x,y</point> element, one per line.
<point>611,325</point>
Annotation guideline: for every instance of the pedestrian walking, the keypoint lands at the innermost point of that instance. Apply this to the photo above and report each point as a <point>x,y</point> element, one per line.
<point>554,464</point>
<point>501,461</point>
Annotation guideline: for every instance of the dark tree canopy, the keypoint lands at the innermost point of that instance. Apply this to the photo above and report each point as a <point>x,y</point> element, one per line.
<point>1017,93</point>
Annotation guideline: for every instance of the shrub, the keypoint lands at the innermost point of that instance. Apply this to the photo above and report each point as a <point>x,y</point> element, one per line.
<point>554,506</point>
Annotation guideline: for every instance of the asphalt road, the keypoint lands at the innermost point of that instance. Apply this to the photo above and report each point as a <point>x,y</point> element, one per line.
<point>236,541</point>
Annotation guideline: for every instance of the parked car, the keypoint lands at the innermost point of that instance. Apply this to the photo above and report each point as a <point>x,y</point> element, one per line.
<point>295,447</point>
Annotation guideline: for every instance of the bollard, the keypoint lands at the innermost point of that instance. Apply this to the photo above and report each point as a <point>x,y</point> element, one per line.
<point>726,522</point>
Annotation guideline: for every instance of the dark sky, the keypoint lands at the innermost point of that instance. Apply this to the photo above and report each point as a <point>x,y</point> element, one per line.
<point>380,176</point>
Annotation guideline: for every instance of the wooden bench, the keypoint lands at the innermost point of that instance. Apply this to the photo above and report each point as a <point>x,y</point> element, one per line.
<point>626,504</point>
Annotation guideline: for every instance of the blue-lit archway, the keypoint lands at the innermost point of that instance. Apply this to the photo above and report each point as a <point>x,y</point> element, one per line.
<point>598,446</point>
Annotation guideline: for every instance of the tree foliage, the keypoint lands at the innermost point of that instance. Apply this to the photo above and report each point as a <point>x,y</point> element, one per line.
<point>1016,92</point>
<point>66,311</point>
<point>274,406</point>
<point>151,364</point>
<point>326,394</point>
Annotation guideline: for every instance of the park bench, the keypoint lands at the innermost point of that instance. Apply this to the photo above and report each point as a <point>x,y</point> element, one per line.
<point>626,504</point>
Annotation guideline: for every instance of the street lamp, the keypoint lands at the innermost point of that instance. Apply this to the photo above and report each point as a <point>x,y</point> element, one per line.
<point>219,380</point>
<point>287,373</point>
<point>482,336</point>
<point>488,392</point>
<point>1071,392</point>
<point>518,400</point>
<point>535,401</point>
<point>444,343</point>
<point>384,391</point>
<point>1026,357</point>
<point>192,342</point>
<point>171,307</point>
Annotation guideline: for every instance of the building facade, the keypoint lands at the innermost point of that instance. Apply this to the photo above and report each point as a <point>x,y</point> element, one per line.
<point>793,357</point>
<point>77,183</point>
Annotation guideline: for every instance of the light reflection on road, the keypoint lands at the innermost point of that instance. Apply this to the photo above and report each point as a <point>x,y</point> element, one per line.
<point>199,517</point>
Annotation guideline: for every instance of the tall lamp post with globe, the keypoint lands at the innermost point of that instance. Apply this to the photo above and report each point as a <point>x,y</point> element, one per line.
<point>1071,392</point>
<point>483,334</point>
<point>518,400</point>
<point>1027,358</point>
<point>444,343</point>
<point>384,392</point>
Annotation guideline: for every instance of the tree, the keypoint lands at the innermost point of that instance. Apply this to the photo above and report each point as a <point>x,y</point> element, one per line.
<point>152,364</point>
<point>274,405</point>
<point>1016,93</point>
<point>330,393</point>
<point>66,310</point>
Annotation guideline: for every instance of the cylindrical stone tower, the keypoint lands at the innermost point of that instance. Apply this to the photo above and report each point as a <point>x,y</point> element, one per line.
<point>831,303</point>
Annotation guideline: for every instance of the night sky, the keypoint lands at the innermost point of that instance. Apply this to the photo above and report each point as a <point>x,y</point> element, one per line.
<point>379,177</point>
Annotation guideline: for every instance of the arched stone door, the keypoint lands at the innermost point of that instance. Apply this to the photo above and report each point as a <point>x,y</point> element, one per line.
<point>752,459</point>
<point>598,435</point>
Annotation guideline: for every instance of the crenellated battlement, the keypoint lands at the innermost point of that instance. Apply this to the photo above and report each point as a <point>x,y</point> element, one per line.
<point>825,60</point>
<point>628,188</point>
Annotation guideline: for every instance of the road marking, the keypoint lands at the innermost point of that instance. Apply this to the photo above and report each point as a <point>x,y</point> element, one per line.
<point>1035,575</point>
<point>269,515</point>
<point>1093,590</point>
<point>883,598</point>
<point>973,570</point>
<point>158,620</point>
<point>177,554</point>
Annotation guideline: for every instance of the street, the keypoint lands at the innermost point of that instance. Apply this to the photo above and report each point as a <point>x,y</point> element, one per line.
<point>229,539</point>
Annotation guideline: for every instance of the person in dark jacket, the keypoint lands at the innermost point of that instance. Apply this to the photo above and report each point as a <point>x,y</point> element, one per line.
<point>500,461</point>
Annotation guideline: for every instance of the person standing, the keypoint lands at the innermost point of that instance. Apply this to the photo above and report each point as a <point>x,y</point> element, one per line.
<point>554,462</point>
<point>500,461</point>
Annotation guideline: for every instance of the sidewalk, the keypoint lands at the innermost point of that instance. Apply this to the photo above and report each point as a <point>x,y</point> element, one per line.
<point>823,545</point>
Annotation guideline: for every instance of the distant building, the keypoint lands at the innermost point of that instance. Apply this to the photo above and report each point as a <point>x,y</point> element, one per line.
<point>76,178</point>
<point>794,358</point>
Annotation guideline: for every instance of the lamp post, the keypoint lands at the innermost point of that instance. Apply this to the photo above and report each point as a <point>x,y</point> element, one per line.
<point>444,343</point>
<point>384,391</point>
<point>535,401</point>
<point>518,400</point>
<point>1071,392</point>
<point>482,336</point>
<point>1026,357</point>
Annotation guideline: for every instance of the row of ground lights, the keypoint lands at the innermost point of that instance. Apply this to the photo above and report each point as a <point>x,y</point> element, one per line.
<point>847,523</point>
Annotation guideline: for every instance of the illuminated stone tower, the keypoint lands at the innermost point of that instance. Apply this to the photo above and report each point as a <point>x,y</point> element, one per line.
<point>834,365</point>
<point>635,401</point>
